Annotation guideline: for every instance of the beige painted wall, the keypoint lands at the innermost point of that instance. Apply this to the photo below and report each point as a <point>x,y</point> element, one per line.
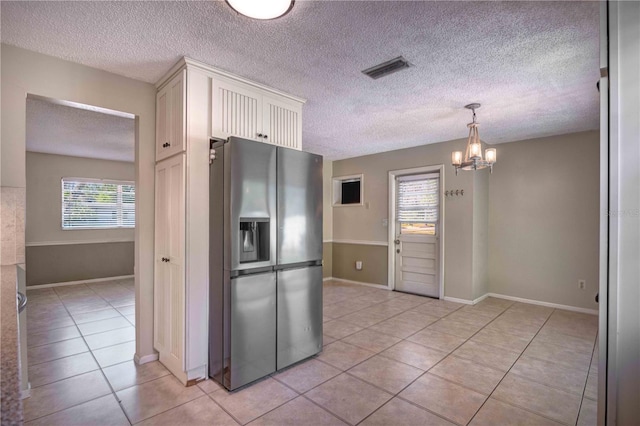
<point>544,199</point>
<point>25,72</point>
<point>480,262</point>
<point>366,222</point>
<point>327,210</point>
<point>327,219</point>
<point>44,201</point>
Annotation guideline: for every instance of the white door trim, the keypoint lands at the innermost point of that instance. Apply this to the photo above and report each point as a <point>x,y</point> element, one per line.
<point>393,174</point>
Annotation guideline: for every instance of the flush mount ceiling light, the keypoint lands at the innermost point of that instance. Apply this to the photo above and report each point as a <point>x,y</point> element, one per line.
<point>262,9</point>
<point>473,156</point>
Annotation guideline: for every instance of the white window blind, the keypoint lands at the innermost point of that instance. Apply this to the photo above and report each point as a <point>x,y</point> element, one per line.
<point>95,203</point>
<point>418,199</point>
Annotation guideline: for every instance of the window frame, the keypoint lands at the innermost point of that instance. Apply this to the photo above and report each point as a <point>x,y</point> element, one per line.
<point>419,177</point>
<point>337,190</point>
<point>119,183</point>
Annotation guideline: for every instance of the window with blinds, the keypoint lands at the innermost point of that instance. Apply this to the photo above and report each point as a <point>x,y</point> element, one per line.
<point>97,204</point>
<point>417,207</point>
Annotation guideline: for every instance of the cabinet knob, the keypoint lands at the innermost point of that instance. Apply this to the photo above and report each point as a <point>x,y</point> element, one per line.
<point>266,136</point>
<point>259,135</point>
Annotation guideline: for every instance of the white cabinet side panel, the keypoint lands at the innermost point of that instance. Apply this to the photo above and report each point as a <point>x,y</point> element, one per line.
<point>197,221</point>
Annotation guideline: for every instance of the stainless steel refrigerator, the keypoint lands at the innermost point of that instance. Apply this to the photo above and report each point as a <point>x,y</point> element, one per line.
<point>265,307</point>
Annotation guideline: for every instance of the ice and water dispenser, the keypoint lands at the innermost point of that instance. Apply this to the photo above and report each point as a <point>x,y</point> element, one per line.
<point>254,240</point>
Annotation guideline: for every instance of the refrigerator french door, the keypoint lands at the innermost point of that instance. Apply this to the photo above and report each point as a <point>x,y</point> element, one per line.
<point>299,253</point>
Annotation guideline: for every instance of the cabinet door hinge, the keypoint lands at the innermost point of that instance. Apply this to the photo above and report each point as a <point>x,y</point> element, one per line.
<point>212,155</point>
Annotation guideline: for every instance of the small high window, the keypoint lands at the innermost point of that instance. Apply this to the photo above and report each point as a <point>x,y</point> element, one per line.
<point>97,204</point>
<point>348,190</point>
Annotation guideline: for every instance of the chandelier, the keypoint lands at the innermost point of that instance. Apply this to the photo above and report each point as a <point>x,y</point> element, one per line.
<point>473,155</point>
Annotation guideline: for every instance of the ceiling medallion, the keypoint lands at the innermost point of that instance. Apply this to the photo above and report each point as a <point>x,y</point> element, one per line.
<point>473,156</point>
<point>261,9</point>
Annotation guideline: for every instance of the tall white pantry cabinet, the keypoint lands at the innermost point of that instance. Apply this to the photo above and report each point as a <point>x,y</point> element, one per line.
<point>194,103</point>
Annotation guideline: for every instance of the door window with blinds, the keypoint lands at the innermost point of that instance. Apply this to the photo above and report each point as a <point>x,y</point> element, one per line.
<point>418,204</point>
<point>97,204</point>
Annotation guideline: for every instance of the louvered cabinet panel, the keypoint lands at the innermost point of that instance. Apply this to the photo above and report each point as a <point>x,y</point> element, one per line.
<point>282,122</point>
<point>236,110</point>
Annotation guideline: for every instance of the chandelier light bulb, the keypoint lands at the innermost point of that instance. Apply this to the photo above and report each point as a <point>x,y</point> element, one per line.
<point>490,155</point>
<point>456,158</point>
<point>261,9</point>
<point>475,151</point>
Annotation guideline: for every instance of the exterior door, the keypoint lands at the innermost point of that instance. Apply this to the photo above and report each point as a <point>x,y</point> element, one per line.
<point>417,239</point>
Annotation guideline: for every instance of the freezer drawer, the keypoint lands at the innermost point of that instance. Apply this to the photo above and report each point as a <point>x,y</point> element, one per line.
<point>299,314</point>
<point>252,333</point>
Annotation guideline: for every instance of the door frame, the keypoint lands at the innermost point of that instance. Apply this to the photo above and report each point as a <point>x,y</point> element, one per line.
<point>393,174</point>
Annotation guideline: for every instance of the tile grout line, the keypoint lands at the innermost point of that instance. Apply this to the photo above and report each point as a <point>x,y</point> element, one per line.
<point>449,353</point>
<point>104,376</point>
<point>302,395</point>
<point>443,358</point>
<point>584,389</point>
<point>501,380</point>
<point>396,395</point>
<point>95,360</point>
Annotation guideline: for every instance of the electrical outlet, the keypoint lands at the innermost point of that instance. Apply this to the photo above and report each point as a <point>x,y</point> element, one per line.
<point>582,284</point>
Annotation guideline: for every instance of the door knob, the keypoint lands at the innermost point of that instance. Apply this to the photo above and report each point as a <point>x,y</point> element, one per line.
<point>396,242</point>
<point>398,251</point>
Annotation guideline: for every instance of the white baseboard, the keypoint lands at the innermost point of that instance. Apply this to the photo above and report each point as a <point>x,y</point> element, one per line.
<point>327,279</point>
<point>380,286</point>
<point>456,300</point>
<point>95,280</point>
<point>547,304</point>
<point>145,358</point>
<point>481,298</point>
<point>26,393</point>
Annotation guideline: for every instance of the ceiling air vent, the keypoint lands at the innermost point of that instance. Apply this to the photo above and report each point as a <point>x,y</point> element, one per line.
<point>387,68</point>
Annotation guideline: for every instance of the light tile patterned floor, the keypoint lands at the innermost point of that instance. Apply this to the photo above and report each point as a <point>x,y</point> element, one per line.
<point>389,358</point>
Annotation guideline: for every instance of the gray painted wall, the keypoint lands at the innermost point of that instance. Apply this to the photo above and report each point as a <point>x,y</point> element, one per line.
<point>528,230</point>
<point>44,200</point>
<point>544,216</point>
<point>76,262</point>
<point>480,262</point>
<point>365,223</point>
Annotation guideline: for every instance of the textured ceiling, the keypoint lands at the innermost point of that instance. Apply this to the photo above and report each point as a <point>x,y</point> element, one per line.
<point>533,65</point>
<point>64,130</point>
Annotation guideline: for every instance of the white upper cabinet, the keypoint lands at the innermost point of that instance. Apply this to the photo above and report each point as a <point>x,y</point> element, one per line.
<point>239,109</point>
<point>282,122</point>
<point>171,117</point>
<point>236,109</point>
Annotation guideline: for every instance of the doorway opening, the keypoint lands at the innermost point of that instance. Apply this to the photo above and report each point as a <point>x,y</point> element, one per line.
<point>80,241</point>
